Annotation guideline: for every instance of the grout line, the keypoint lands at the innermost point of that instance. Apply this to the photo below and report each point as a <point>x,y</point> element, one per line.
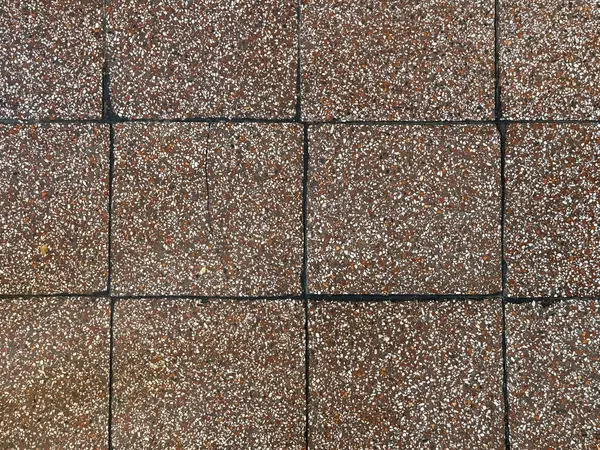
<point>110,372</point>
<point>502,125</point>
<point>298,116</point>
<point>110,205</point>
<point>109,117</point>
<point>305,294</point>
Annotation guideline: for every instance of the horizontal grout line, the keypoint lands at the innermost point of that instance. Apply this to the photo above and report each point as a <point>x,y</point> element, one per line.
<point>118,120</point>
<point>312,297</point>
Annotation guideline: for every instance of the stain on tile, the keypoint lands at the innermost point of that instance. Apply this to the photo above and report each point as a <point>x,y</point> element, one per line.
<point>213,374</point>
<point>406,375</point>
<point>54,372</point>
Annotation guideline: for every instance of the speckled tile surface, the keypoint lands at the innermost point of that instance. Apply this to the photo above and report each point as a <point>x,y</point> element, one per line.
<point>206,58</point>
<point>54,208</point>
<point>552,241</point>
<point>554,374</point>
<point>51,56</point>
<point>236,232</point>
<point>549,58</point>
<point>216,374</point>
<point>410,60</point>
<point>54,373</point>
<point>397,209</point>
<point>406,375</point>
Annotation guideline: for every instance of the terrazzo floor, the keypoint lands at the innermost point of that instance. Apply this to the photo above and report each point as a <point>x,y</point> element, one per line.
<point>325,224</point>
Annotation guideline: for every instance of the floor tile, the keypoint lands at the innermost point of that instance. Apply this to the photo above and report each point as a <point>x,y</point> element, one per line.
<point>237,232</point>
<point>549,58</point>
<point>554,374</point>
<point>397,209</point>
<point>51,56</point>
<point>54,203</point>
<point>54,372</point>
<point>216,374</point>
<point>411,60</point>
<point>406,375</point>
<point>552,236</point>
<point>206,58</point>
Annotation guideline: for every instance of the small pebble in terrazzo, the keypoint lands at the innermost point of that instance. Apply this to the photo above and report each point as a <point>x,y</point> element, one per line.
<point>207,58</point>
<point>549,59</point>
<point>409,60</point>
<point>212,374</point>
<point>404,209</point>
<point>51,59</point>
<point>54,203</point>
<point>54,373</point>
<point>552,210</point>
<point>553,374</point>
<point>207,210</point>
<point>406,375</point>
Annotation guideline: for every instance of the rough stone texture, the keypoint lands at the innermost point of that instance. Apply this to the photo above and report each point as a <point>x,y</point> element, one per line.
<point>54,373</point>
<point>409,60</point>
<point>554,374</point>
<point>220,374</point>
<point>552,235</point>
<point>244,238</point>
<point>205,58</point>
<point>397,209</point>
<point>406,375</point>
<point>54,208</point>
<point>51,59</point>
<point>549,59</point>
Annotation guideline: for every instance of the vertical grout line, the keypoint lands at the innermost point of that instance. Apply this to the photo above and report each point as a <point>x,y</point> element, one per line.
<point>303,281</point>
<point>298,116</point>
<point>110,372</point>
<point>501,126</point>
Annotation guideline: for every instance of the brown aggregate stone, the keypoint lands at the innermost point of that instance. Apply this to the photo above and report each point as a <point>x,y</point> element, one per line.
<point>216,374</point>
<point>51,56</point>
<point>554,374</point>
<point>206,58</point>
<point>397,60</point>
<point>398,209</point>
<point>243,238</point>
<point>53,208</point>
<point>406,375</point>
<point>552,236</point>
<point>54,373</point>
<point>549,59</point>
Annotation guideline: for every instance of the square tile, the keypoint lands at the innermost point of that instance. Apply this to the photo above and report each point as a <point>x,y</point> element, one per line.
<point>203,58</point>
<point>409,60</point>
<point>51,57</point>
<point>552,237</point>
<point>224,373</point>
<point>406,375</point>
<point>54,372</point>
<point>553,374</point>
<point>54,203</point>
<point>399,210</point>
<point>207,210</point>
<point>549,58</point>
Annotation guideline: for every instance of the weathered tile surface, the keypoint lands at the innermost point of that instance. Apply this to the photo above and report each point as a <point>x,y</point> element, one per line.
<point>243,238</point>
<point>54,373</point>
<point>415,60</point>
<point>549,58</point>
<point>396,209</point>
<point>554,374</point>
<point>203,58</point>
<point>406,375</point>
<point>51,59</point>
<point>552,210</point>
<point>54,208</point>
<point>219,374</point>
